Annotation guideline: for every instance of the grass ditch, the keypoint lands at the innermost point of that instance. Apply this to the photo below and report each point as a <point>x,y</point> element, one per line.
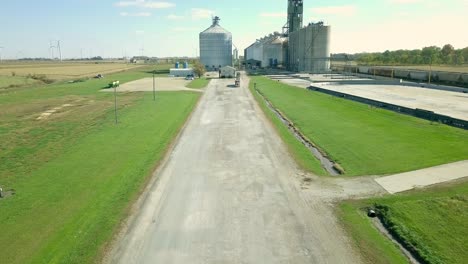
<point>364,140</point>
<point>75,173</point>
<point>299,152</point>
<point>430,223</point>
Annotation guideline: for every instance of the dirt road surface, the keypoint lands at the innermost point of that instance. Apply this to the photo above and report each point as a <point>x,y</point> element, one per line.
<point>161,84</point>
<point>230,193</point>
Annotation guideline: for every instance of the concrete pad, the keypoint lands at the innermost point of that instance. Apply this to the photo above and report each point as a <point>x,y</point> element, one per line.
<point>425,177</point>
<point>442,102</point>
<point>162,84</point>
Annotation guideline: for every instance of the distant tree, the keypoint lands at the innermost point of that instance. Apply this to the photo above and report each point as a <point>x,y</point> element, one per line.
<point>428,55</point>
<point>431,55</point>
<point>464,53</point>
<point>199,69</point>
<point>460,59</point>
<point>447,53</point>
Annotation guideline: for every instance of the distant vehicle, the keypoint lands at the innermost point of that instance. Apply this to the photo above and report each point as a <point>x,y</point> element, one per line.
<point>99,76</point>
<point>190,77</point>
<point>238,78</point>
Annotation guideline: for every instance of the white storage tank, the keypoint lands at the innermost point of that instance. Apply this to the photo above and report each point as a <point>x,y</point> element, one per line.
<point>309,49</point>
<point>215,47</point>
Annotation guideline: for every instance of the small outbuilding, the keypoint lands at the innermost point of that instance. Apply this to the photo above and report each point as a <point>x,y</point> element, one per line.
<point>181,72</point>
<point>227,72</point>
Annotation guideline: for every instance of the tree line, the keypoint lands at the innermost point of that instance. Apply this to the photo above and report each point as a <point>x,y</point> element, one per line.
<point>434,55</point>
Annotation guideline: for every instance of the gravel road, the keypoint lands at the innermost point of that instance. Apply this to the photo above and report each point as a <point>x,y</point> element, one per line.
<point>230,193</point>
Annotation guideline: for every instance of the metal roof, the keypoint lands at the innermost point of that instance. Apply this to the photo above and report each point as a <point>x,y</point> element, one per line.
<point>216,29</point>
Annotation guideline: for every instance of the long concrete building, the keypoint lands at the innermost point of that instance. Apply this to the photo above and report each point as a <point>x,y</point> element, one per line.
<point>269,51</point>
<point>298,48</point>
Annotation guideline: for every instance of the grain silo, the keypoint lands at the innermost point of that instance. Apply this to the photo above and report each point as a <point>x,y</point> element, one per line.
<point>215,47</point>
<point>309,48</point>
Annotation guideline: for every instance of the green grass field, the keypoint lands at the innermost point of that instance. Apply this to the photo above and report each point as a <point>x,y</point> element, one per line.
<point>433,222</point>
<point>364,140</point>
<point>198,83</point>
<point>76,172</point>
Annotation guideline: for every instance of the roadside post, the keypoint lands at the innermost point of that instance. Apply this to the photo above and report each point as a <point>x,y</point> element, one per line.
<point>115,101</point>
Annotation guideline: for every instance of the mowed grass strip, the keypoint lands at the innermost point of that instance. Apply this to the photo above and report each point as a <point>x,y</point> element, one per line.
<point>198,83</point>
<point>299,152</point>
<point>67,209</point>
<point>365,140</point>
<point>433,222</point>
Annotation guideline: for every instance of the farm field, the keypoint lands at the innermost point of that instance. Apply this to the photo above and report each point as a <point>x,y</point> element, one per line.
<point>364,140</point>
<point>71,175</point>
<point>431,221</point>
<point>63,70</point>
<point>198,83</point>
<point>15,81</point>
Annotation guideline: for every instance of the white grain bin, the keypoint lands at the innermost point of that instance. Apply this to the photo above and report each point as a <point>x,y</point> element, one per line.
<point>215,47</point>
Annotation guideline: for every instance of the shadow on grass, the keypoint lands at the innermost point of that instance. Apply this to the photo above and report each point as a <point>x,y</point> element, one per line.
<point>166,71</point>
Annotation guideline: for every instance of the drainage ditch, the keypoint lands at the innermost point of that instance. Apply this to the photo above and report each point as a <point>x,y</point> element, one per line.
<point>331,167</point>
<point>381,227</point>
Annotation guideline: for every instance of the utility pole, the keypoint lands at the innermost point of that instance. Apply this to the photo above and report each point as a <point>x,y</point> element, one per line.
<point>59,50</point>
<point>51,50</point>
<point>154,86</point>
<point>430,69</point>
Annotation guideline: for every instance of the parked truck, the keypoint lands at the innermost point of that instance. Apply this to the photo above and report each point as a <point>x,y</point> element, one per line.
<point>238,78</point>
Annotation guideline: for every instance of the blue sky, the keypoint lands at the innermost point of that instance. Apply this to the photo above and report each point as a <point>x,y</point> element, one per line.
<point>112,28</point>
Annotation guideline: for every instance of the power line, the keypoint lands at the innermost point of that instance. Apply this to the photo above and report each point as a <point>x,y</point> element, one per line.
<point>1,50</point>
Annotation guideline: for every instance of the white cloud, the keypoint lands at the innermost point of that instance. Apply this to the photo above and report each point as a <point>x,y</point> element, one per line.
<point>404,1</point>
<point>344,10</point>
<point>201,13</point>
<point>281,15</point>
<point>145,4</point>
<point>182,29</point>
<point>158,5</point>
<point>127,3</point>
<point>174,17</point>
<point>140,14</point>
<point>139,32</point>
